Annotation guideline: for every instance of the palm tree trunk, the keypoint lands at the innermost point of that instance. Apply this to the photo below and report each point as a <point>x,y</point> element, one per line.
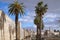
<point>37,33</point>
<point>40,33</point>
<point>39,29</point>
<point>16,21</point>
<point>38,36</point>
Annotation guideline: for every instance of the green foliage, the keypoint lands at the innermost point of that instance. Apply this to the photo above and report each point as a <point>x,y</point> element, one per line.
<point>16,8</point>
<point>36,20</point>
<point>40,10</point>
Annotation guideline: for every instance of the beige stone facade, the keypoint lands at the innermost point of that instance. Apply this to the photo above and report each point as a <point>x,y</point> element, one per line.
<point>26,34</point>
<point>7,29</point>
<point>6,26</point>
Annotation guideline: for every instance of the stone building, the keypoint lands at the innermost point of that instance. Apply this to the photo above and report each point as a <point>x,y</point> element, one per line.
<point>8,32</point>
<point>28,34</point>
<point>6,26</point>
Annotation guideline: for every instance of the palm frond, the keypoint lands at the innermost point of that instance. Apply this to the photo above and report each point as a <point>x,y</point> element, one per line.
<point>40,10</point>
<point>11,5</point>
<point>16,8</point>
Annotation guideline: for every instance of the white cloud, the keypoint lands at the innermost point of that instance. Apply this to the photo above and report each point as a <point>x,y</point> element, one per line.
<point>25,20</point>
<point>51,20</point>
<point>21,19</point>
<point>31,14</point>
<point>28,18</point>
<point>50,15</point>
<point>58,9</point>
<point>34,26</point>
<point>51,26</point>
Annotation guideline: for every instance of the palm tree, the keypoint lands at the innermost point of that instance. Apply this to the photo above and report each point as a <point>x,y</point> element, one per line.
<point>38,22</point>
<point>16,9</point>
<point>40,10</point>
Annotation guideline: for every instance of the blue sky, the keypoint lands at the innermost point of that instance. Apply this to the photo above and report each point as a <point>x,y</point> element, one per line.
<point>51,18</point>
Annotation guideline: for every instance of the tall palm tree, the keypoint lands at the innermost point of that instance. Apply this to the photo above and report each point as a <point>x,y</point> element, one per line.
<point>40,10</point>
<point>16,9</point>
<point>37,22</point>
